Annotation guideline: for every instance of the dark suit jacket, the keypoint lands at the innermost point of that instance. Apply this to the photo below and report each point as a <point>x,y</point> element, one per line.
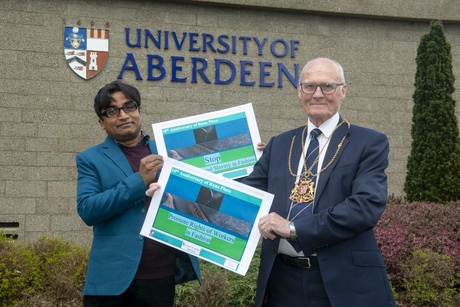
<point>351,196</point>
<point>111,198</point>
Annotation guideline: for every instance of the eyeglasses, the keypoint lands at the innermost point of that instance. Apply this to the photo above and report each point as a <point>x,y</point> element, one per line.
<point>326,88</point>
<point>128,107</point>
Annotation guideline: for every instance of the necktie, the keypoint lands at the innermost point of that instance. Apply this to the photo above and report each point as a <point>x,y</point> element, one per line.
<point>313,151</point>
<point>304,209</point>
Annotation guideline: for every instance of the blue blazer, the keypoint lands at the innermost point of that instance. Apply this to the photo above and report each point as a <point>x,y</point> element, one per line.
<point>351,196</point>
<point>111,198</point>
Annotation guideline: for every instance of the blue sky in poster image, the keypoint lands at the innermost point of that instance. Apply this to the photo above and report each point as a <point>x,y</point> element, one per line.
<point>232,206</point>
<point>224,130</point>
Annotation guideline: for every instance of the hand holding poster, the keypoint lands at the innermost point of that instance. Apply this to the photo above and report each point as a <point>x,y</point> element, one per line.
<point>206,215</point>
<point>223,142</point>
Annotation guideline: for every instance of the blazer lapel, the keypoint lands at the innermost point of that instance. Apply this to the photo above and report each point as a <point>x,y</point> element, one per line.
<point>336,138</point>
<point>114,153</point>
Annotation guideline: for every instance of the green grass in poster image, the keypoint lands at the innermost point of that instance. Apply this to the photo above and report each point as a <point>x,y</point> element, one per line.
<point>232,250</point>
<point>234,155</point>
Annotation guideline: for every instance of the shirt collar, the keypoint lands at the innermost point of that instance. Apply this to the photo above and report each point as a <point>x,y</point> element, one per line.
<point>327,127</point>
<point>145,138</point>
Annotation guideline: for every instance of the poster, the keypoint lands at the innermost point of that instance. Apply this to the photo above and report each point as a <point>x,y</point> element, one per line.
<point>206,215</point>
<point>222,142</point>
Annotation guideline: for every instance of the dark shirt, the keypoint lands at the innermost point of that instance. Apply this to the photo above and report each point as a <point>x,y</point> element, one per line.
<point>158,260</point>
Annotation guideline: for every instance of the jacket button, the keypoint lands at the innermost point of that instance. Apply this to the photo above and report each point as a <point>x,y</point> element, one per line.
<point>141,238</point>
<point>143,210</point>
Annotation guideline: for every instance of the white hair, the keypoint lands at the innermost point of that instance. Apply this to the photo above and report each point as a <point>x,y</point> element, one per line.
<point>337,64</point>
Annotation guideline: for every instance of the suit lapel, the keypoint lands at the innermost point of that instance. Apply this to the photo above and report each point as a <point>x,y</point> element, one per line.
<point>114,153</point>
<point>336,138</point>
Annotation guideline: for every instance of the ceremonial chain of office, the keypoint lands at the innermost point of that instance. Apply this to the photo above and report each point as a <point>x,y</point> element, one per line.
<point>304,189</point>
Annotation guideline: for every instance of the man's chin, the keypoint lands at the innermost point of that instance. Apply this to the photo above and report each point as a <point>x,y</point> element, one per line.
<point>316,114</point>
<point>127,135</point>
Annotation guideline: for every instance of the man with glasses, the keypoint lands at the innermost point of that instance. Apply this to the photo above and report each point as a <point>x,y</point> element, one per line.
<point>330,188</point>
<point>123,268</point>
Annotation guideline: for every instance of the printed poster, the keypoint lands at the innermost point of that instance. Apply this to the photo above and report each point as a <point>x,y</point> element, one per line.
<point>206,215</point>
<point>222,142</point>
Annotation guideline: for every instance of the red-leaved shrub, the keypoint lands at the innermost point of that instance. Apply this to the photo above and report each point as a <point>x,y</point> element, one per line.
<point>406,227</point>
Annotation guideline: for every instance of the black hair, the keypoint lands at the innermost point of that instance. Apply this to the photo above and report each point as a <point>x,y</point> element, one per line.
<point>104,97</point>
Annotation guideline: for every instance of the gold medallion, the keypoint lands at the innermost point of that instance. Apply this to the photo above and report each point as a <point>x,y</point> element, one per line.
<point>303,191</point>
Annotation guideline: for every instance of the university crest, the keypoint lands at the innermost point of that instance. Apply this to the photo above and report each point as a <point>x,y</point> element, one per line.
<point>86,50</point>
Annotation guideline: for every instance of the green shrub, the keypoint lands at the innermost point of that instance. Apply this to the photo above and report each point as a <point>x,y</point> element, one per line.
<point>19,272</point>
<point>220,287</point>
<point>49,272</point>
<point>243,288</point>
<point>433,166</point>
<point>430,279</point>
<point>214,291</point>
<point>64,266</point>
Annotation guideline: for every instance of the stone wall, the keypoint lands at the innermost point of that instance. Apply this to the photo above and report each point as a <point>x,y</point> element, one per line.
<point>46,109</point>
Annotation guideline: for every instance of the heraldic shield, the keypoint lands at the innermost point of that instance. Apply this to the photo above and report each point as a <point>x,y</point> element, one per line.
<point>86,50</point>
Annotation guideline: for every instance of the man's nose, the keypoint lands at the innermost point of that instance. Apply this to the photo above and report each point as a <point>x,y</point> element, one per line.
<point>318,92</point>
<point>123,114</point>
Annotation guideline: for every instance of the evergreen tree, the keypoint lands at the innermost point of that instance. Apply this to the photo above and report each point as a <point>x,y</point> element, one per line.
<point>434,163</point>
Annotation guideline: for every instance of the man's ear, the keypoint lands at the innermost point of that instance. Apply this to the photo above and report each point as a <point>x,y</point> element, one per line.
<point>101,123</point>
<point>343,91</point>
<point>299,91</point>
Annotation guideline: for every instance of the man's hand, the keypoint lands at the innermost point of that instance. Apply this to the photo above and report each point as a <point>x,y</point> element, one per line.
<point>272,225</point>
<point>261,146</point>
<point>149,167</point>
<point>152,188</point>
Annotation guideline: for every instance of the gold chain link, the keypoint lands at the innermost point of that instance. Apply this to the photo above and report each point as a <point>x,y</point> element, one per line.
<point>308,172</point>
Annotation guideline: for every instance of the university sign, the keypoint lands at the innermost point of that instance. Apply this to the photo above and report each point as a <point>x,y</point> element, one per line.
<point>211,58</point>
<point>212,69</point>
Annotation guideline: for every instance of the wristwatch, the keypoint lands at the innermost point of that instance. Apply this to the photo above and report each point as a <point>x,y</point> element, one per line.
<point>292,232</point>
